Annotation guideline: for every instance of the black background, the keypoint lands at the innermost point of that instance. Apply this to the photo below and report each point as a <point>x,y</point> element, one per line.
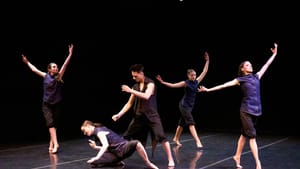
<point>167,38</point>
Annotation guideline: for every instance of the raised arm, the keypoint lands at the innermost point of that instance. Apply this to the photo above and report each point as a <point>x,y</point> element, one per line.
<point>205,68</point>
<point>171,85</point>
<point>219,87</point>
<point>64,66</point>
<point>32,67</point>
<point>261,72</point>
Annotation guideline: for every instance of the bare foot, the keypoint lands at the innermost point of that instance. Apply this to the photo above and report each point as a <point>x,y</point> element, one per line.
<point>177,142</point>
<point>55,149</point>
<point>199,146</point>
<point>151,165</point>
<point>171,164</point>
<point>237,162</point>
<point>50,147</point>
<point>258,165</point>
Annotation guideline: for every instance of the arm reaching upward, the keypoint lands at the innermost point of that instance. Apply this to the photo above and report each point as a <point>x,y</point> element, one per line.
<point>64,66</point>
<point>261,72</point>
<point>32,67</point>
<point>205,68</point>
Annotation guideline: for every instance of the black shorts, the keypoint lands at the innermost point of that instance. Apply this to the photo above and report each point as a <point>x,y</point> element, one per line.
<point>139,127</point>
<point>51,112</point>
<point>113,157</point>
<point>186,118</point>
<point>129,148</point>
<point>248,124</point>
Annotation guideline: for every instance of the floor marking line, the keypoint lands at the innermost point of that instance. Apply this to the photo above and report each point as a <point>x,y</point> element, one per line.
<point>85,159</point>
<point>230,158</point>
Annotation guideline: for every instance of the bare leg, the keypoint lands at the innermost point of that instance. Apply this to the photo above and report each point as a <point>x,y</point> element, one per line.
<point>239,150</point>
<point>177,135</point>
<point>195,136</point>
<point>53,138</point>
<point>166,146</point>
<point>50,145</point>
<point>254,149</point>
<point>142,152</point>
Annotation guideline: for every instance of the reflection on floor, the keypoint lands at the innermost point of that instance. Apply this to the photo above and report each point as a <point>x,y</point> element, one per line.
<point>276,152</point>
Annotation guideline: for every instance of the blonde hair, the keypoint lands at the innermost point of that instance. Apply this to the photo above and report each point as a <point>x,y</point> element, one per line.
<point>88,122</point>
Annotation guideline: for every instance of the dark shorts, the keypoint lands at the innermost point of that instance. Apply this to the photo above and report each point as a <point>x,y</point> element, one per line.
<point>51,112</point>
<point>186,118</point>
<point>248,125</point>
<point>113,157</point>
<point>140,126</point>
<point>129,148</point>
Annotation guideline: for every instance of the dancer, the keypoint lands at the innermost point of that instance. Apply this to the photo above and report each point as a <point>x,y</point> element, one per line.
<point>251,107</point>
<point>187,102</point>
<point>143,97</point>
<point>52,95</point>
<point>114,148</point>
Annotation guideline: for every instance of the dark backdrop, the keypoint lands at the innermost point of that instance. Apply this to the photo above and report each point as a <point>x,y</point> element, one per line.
<point>166,41</point>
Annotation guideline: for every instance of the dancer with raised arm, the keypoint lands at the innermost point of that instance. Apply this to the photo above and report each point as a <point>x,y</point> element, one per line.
<point>187,102</point>
<point>52,95</point>
<point>251,107</point>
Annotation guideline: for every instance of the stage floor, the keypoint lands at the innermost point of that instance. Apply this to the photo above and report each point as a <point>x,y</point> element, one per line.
<point>276,152</point>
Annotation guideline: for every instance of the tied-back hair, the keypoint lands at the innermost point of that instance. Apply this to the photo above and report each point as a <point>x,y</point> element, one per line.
<point>137,68</point>
<point>189,71</point>
<point>57,76</point>
<point>88,122</point>
<point>240,72</point>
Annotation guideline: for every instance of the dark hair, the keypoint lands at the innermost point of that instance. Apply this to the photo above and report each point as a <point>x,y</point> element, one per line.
<point>240,72</point>
<point>50,64</point>
<point>56,76</point>
<point>136,68</point>
<point>188,71</point>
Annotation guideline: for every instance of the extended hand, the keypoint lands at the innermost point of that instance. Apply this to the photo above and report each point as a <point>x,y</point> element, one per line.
<point>202,89</point>
<point>125,88</point>
<point>115,117</point>
<point>91,160</point>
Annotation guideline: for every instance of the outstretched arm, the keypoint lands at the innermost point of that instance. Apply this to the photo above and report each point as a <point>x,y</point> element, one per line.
<point>219,87</point>
<point>125,108</point>
<point>64,66</point>
<point>171,85</point>
<point>205,68</point>
<point>261,72</point>
<point>32,67</point>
